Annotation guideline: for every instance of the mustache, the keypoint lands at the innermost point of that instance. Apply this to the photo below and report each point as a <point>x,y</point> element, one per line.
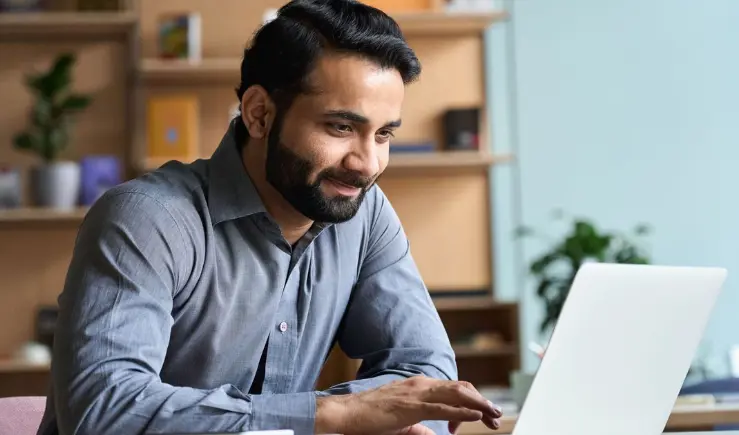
<point>349,178</point>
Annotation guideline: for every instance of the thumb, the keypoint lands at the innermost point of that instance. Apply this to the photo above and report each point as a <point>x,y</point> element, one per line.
<point>417,429</point>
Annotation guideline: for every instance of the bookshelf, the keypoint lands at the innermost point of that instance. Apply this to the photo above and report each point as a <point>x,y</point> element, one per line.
<point>215,70</point>
<point>450,46</point>
<point>441,161</point>
<point>436,24</point>
<point>40,215</point>
<point>38,25</point>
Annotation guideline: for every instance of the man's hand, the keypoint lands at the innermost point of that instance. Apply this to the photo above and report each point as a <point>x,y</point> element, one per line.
<point>398,407</point>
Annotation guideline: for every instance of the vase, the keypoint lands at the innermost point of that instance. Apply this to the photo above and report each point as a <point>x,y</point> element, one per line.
<point>56,185</point>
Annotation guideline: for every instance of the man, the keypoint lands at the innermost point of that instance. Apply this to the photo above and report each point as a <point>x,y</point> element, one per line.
<point>206,297</point>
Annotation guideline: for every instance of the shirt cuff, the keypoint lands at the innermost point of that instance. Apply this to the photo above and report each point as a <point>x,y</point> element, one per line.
<point>295,411</point>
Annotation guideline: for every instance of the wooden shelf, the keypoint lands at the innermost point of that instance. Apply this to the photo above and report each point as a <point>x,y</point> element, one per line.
<point>228,69</point>
<point>461,351</point>
<point>30,214</point>
<point>15,366</point>
<point>445,160</point>
<point>205,70</point>
<point>471,303</point>
<point>446,23</point>
<point>442,160</point>
<point>64,25</point>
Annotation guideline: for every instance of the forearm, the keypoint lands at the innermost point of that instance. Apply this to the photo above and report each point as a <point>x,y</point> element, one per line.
<point>137,403</point>
<point>380,378</point>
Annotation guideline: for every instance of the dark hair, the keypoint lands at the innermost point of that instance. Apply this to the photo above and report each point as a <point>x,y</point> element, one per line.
<point>284,51</point>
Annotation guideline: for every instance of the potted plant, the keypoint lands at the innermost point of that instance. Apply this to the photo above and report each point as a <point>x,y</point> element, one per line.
<point>55,182</point>
<point>554,270</point>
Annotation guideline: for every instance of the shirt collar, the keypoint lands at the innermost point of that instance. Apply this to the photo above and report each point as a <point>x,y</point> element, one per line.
<point>231,192</point>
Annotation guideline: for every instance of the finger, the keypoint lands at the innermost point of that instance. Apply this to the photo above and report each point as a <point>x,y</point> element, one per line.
<point>496,411</point>
<point>418,429</point>
<point>492,423</point>
<point>441,411</point>
<point>454,426</point>
<point>457,394</point>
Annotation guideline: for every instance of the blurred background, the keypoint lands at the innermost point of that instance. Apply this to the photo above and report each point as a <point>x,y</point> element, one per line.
<point>541,135</point>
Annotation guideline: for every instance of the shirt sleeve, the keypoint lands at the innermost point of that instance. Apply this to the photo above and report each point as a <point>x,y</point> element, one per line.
<point>392,324</point>
<point>113,330</point>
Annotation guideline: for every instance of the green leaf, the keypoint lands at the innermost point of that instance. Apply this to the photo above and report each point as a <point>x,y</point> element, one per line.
<point>76,102</point>
<point>55,81</point>
<point>42,113</point>
<point>642,229</point>
<point>523,231</point>
<point>539,265</point>
<point>543,288</point>
<point>24,142</point>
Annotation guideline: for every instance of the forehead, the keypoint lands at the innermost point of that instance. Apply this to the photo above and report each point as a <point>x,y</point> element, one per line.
<point>350,82</point>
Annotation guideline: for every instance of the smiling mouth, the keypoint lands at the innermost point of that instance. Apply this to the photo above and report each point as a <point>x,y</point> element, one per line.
<point>343,188</point>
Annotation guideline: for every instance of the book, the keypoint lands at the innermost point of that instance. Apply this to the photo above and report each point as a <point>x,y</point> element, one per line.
<point>172,127</point>
<point>180,36</point>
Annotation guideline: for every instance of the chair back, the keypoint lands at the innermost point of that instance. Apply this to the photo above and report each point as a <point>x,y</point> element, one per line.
<point>21,415</point>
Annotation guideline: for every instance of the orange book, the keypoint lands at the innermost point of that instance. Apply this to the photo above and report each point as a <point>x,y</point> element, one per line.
<point>172,127</point>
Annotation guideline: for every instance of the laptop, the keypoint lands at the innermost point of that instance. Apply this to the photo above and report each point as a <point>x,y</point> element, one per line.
<point>620,351</point>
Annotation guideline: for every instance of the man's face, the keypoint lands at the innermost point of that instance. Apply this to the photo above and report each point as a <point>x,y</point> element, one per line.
<point>330,147</point>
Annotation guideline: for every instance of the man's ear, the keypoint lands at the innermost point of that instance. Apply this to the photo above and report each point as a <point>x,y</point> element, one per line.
<point>257,111</point>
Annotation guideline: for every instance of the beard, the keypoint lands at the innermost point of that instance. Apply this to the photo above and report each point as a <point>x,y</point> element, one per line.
<point>290,173</point>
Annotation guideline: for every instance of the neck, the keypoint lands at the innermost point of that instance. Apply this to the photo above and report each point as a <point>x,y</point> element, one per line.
<point>293,225</point>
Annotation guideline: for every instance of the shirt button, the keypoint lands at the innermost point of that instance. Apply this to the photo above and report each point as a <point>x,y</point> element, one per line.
<point>283,326</point>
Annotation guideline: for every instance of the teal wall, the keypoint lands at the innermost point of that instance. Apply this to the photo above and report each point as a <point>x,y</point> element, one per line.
<point>622,111</point>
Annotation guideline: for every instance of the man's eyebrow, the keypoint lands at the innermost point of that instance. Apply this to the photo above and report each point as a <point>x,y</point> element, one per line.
<point>356,117</point>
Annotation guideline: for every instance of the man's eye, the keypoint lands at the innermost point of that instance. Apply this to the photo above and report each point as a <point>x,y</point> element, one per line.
<point>386,134</point>
<point>342,128</point>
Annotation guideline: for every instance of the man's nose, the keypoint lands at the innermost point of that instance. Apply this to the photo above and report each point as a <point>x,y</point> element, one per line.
<point>364,159</point>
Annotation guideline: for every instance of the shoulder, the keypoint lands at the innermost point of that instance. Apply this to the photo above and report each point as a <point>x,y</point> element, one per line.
<point>378,212</point>
<point>168,200</point>
<point>376,221</point>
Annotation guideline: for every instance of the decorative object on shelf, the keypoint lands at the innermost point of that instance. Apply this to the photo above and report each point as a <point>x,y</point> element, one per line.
<point>33,353</point>
<point>411,147</point>
<point>99,173</point>
<point>20,5</point>
<point>180,37</point>
<point>10,188</point>
<point>172,127</point>
<point>46,325</point>
<point>462,129</point>
<point>483,340</point>
<point>99,5</point>
<point>555,269</point>
<point>269,15</point>
<point>56,182</point>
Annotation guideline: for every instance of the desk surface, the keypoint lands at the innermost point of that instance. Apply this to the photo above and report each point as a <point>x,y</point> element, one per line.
<point>683,418</point>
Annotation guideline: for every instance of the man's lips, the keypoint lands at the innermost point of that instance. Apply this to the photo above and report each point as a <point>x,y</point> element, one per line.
<point>343,188</point>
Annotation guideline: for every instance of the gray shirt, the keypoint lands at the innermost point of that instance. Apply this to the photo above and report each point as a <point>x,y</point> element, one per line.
<point>180,278</point>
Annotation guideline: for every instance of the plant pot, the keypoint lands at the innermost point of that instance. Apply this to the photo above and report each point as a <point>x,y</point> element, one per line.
<point>56,185</point>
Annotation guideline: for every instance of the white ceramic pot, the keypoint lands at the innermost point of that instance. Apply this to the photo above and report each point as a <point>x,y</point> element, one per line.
<point>56,185</point>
